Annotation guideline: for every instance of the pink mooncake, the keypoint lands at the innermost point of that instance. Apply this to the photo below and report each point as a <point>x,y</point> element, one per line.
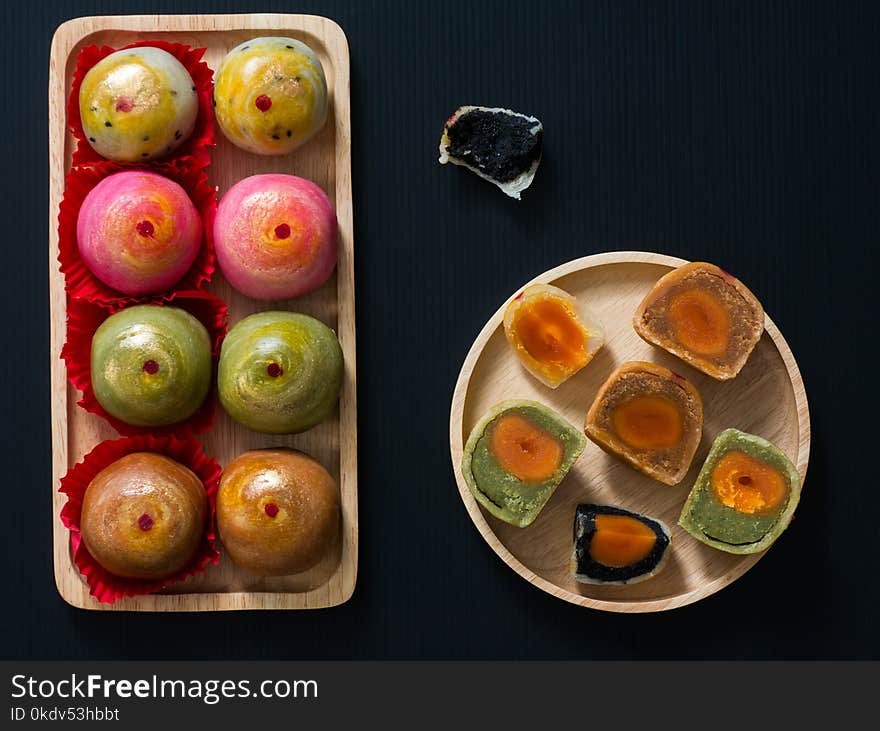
<point>138,232</point>
<point>275,236</point>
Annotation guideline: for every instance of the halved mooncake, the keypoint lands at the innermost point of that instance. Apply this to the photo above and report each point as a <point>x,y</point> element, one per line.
<point>744,496</point>
<point>551,333</point>
<point>703,315</point>
<point>499,145</point>
<point>650,417</point>
<point>615,546</point>
<point>516,456</point>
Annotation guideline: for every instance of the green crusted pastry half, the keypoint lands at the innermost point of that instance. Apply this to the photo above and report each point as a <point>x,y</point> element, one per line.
<point>516,456</point>
<point>745,495</point>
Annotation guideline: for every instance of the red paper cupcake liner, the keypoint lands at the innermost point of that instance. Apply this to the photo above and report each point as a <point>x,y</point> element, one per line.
<point>79,282</point>
<point>103,585</point>
<point>197,146</point>
<point>84,318</point>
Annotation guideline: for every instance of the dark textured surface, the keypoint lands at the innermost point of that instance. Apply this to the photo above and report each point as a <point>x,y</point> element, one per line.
<point>744,133</point>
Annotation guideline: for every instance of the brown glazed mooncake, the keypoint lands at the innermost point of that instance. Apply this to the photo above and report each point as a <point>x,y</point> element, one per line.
<point>144,516</point>
<point>277,511</point>
<point>650,417</point>
<point>703,315</point>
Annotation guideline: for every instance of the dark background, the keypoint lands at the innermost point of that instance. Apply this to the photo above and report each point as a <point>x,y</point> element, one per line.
<point>741,133</point>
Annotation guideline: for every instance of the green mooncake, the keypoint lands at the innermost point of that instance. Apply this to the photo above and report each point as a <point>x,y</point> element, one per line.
<point>745,494</point>
<point>151,365</point>
<point>280,372</point>
<point>516,456</point>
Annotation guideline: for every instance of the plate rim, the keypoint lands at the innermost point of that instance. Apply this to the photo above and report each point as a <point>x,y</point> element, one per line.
<point>456,441</point>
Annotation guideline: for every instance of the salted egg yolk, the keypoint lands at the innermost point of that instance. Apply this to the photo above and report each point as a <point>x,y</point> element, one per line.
<point>550,333</point>
<point>700,322</point>
<point>620,540</point>
<point>648,422</point>
<point>748,485</point>
<point>525,450</point>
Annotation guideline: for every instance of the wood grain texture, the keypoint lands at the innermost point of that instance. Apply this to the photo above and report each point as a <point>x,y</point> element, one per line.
<point>767,398</point>
<point>326,160</point>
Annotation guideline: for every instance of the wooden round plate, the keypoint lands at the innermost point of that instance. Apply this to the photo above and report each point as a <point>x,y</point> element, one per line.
<point>766,398</point>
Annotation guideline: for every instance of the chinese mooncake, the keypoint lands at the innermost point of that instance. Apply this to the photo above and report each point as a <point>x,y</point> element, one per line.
<point>144,516</point>
<point>615,546</point>
<point>270,95</point>
<point>650,417</point>
<point>744,496</point>
<point>138,104</point>
<point>516,456</point>
<point>552,335</point>
<point>277,511</point>
<point>703,315</point>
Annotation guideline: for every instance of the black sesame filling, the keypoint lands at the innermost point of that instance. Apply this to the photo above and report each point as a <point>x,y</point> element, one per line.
<point>499,145</point>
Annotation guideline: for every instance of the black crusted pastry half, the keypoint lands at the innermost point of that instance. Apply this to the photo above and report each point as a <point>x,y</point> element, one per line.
<point>499,145</point>
<point>584,564</point>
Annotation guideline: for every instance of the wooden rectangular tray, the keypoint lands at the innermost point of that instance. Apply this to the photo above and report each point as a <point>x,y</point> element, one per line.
<point>326,160</point>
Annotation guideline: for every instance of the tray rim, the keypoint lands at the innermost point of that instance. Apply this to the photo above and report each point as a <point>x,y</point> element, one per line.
<point>68,581</point>
<point>456,442</point>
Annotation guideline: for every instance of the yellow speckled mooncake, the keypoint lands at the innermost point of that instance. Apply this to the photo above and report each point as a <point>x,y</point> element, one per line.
<point>270,95</point>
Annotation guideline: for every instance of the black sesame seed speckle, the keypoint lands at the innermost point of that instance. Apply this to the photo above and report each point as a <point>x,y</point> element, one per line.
<point>244,48</point>
<point>93,109</point>
<point>91,139</point>
<point>275,137</point>
<point>289,47</point>
<point>296,79</point>
<point>146,138</point>
<point>108,124</point>
<point>289,133</point>
<point>145,154</point>
<point>173,92</point>
<point>193,88</point>
<point>177,134</point>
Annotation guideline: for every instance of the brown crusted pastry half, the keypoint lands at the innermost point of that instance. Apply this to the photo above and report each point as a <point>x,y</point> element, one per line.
<point>650,417</point>
<point>703,315</point>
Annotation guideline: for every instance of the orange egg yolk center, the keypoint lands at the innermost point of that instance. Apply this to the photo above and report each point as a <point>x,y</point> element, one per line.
<point>550,333</point>
<point>700,321</point>
<point>525,450</point>
<point>649,422</point>
<point>748,485</point>
<point>620,541</point>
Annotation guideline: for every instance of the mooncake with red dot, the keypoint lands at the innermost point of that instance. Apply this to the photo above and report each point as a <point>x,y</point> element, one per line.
<point>144,516</point>
<point>270,95</point>
<point>275,236</point>
<point>277,511</point>
<point>138,104</point>
<point>138,232</point>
